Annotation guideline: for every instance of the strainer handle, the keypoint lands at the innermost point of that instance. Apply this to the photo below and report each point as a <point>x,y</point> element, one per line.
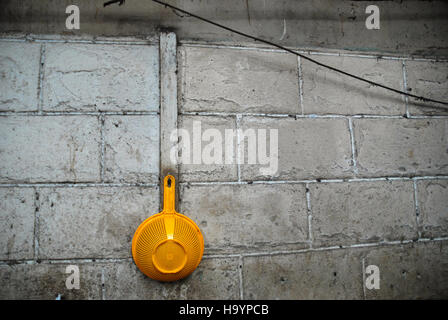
<point>169,194</point>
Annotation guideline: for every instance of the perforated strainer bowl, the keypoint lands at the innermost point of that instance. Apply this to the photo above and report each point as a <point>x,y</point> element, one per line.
<point>167,246</point>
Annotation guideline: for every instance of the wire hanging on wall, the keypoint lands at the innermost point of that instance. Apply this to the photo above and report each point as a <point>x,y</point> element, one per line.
<point>348,74</point>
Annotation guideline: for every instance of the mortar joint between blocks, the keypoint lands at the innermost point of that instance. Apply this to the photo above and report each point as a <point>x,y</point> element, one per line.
<point>314,51</point>
<point>231,255</point>
<point>207,183</point>
<point>300,75</point>
<point>405,87</point>
<point>309,214</point>
<point>353,146</point>
<point>417,209</point>
<point>103,285</point>
<point>363,277</point>
<point>102,147</point>
<point>36,224</point>
<point>40,80</point>
<point>240,276</point>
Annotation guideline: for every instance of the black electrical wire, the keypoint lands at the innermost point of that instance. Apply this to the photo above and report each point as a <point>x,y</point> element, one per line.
<point>120,2</point>
<point>421,98</point>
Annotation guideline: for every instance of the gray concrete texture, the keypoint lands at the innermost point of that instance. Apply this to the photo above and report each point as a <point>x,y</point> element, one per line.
<point>362,174</point>
<point>91,222</point>
<point>50,149</point>
<point>407,27</point>
<point>256,81</point>
<point>413,271</point>
<point>131,145</point>
<point>79,78</point>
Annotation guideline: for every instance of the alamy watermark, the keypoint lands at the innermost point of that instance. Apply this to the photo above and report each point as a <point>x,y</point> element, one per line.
<point>72,21</point>
<point>373,277</point>
<point>249,146</point>
<point>72,281</point>
<point>373,20</point>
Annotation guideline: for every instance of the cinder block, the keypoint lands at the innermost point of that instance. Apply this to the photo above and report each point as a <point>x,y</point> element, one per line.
<point>49,149</point>
<point>433,207</point>
<point>325,91</point>
<point>229,80</point>
<point>428,79</point>
<point>92,222</point>
<point>213,279</point>
<point>19,67</point>
<point>361,212</point>
<point>401,147</point>
<point>48,282</point>
<point>190,171</point>
<point>307,148</point>
<point>87,77</point>
<point>17,223</point>
<point>131,149</point>
<point>414,271</point>
<point>334,274</point>
<point>248,217</point>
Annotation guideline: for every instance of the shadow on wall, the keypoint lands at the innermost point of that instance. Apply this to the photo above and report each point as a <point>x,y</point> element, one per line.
<point>298,25</point>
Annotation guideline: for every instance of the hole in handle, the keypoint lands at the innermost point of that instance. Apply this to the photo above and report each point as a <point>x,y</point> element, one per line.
<point>168,183</point>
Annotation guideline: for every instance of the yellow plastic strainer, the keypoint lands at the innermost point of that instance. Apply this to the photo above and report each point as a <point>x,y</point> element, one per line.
<point>167,246</point>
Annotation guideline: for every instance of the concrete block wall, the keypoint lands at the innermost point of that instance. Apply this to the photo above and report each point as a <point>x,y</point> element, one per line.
<point>79,166</point>
<point>362,174</point>
<point>358,169</point>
